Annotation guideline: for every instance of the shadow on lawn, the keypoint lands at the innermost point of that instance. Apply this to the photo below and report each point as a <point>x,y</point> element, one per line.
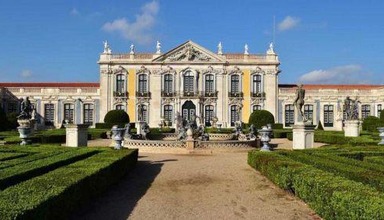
<point>120,200</point>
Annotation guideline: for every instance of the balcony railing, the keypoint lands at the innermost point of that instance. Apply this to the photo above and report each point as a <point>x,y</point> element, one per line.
<point>235,94</point>
<point>210,94</point>
<point>120,94</point>
<point>168,94</point>
<point>143,94</point>
<point>190,94</point>
<point>258,94</point>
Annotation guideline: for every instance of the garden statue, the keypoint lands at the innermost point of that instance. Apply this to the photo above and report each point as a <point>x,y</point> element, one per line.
<point>299,101</point>
<point>140,112</point>
<point>25,109</point>
<point>127,133</point>
<point>145,130</point>
<point>351,108</point>
<point>252,132</point>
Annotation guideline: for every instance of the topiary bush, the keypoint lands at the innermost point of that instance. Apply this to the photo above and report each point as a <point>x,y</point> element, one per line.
<point>261,118</point>
<point>116,117</point>
<point>371,123</point>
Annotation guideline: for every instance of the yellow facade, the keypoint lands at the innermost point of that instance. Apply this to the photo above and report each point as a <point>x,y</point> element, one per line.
<point>131,85</point>
<point>246,92</point>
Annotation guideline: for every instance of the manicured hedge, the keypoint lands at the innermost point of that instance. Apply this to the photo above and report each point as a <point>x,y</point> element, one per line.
<point>261,118</point>
<point>331,196</point>
<point>11,155</point>
<point>348,168</point>
<point>375,159</point>
<point>281,133</point>
<point>13,175</point>
<point>55,194</point>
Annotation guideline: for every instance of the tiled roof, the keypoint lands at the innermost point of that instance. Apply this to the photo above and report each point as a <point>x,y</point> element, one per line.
<point>333,86</point>
<point>48,84</point>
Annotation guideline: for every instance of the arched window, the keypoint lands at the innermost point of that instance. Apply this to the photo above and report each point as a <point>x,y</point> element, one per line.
<point>168,114</point>
<point>235,114</point>
<point>209,114</point>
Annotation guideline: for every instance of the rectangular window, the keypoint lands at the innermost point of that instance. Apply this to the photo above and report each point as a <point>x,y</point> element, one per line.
<point>209,88</point>
<point>143,83</point>
<point>328,115</point>
<point>308,112</point>
<point>208,115</point>
<point>49,114</point>
<point>235,114</point>
<point>378,110</point>
<point>168,83</point>
<point>168,112</point>
<point>188,84</point>
<point>256,84</point>
<point>120,83</point>
<point>88,114</point>
<point>69,112</point>
<point>289,115</point>
<point>365,111</point>
<point>235,84</point>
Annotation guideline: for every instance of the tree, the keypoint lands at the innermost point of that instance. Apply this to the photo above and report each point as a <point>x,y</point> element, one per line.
<point>261,118</point>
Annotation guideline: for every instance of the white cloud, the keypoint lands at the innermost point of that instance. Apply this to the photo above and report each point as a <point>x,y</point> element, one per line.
<point>26,73</point>
<point>348,74</point>
<point>138,30</point>
<point>74,12</point>
<point>288,23</point>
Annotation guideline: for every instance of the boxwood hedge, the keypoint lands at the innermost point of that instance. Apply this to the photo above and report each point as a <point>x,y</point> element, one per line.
<point>55,194</point>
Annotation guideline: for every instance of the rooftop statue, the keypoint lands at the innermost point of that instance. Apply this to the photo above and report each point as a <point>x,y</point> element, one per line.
<point>246,52</point>
<point>220,49</point>
<point>158,47</point>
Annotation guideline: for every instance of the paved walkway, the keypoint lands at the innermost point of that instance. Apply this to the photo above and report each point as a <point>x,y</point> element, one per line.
<point>215,186</point>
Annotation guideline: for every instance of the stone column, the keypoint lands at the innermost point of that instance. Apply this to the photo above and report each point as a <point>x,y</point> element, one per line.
<point>303,136</point>
<point>76,135</point>
<point>352,128</point>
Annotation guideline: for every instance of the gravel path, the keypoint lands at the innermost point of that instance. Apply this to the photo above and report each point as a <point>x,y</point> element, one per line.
<point>216,186</point>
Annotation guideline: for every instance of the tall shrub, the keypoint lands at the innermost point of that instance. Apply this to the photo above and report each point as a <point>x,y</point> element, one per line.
<point>382,115</point>
<point>261,118</point>
<point>116,117</point>
<point>371,123</point>
<point>3,120</point>
<point>320,126</point>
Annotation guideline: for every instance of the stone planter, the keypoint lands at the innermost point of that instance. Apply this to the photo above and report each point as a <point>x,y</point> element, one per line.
<point>265,134</point>
<point>381,130</point>
<point>118,136</point>
<point>24,132</point>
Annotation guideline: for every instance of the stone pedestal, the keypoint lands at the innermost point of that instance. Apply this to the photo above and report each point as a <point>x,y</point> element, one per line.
<point>76,135</point>
<point>352,128</point>
<point>303,136</point>
<point>189,140</point>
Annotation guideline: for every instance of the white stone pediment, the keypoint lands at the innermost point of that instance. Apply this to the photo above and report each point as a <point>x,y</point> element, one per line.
<point>189,52</point>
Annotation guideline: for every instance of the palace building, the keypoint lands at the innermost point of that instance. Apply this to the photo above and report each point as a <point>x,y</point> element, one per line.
<point>188,80</point>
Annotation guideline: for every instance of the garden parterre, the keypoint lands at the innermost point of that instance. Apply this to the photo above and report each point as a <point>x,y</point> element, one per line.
<point>338,182</point>
<point>46,182</point>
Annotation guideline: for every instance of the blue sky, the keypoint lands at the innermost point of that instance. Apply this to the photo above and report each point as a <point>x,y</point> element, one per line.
<point>317,41</point>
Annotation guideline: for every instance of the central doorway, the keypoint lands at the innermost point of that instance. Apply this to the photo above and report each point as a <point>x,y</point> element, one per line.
<point>188,109</point>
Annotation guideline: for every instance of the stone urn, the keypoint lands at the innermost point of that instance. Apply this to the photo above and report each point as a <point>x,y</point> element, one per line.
<point>265,134</point>
<point>118,136</point>
<point>381,130</point>
<point>25,131</point>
